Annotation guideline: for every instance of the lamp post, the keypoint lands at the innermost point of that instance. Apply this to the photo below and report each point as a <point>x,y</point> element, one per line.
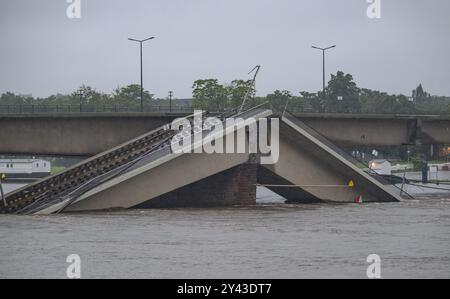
<point>80,93</point>
<point>170,100</point>
<point>323,66</point>
<point>142,72</point>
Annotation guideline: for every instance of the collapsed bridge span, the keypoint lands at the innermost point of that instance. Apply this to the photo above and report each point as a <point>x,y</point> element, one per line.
<point>145,173</point>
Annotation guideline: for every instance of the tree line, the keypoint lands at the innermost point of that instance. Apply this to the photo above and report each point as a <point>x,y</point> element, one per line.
<point>342,95</point>
<point>127,96</point>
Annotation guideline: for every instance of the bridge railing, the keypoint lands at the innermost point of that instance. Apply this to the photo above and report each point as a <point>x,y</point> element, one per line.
<point>88,108</point>
<point>52,109</point>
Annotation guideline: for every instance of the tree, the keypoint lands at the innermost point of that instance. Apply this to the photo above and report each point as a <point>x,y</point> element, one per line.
<point>279,99</point>
<point>373,101</point>
<point>309,102</point>
<point>10,98</point>
<point>88,95</point>
<point>342,94</point>
<point>209,95</point>
<point>130,96</point>
<point>238,90</point>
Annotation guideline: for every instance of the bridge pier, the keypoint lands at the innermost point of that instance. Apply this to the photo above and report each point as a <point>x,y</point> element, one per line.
<point>232,187</point>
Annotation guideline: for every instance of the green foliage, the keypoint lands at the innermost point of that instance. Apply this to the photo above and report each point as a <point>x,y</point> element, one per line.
<point>238,90</point>
<point>433,105</point>
<point>279,99</point>
<point>9,98</point>
<point>379,102</point>
<point>209,95</point>
<point>129,96</point>
<point>88,95</point>
<point>342,95</point>
<point>308,102</point>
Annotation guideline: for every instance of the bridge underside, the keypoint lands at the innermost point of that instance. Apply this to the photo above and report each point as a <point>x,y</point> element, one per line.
<point>279,185</point>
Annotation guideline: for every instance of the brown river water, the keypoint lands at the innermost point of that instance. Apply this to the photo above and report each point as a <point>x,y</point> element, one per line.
<point>271,240</point>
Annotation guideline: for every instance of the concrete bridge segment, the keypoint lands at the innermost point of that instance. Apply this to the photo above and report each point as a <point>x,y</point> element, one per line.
<point>310,169</point>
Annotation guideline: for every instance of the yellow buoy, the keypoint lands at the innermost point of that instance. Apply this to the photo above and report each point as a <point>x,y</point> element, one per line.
<point>351,184</point>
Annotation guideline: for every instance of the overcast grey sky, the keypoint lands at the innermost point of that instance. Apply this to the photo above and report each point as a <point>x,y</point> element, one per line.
<point>43,52</point>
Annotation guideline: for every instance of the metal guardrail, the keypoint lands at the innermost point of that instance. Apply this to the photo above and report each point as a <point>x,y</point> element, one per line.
<point>68,109</point>
<point>86,108</point>
<point>307,110</point>
<point>37,109</point>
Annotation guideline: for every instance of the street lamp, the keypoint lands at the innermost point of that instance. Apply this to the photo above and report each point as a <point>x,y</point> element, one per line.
<point>80,93</point>
<point>323,56</point>
<point>170,100</point>
<point>142,73</point>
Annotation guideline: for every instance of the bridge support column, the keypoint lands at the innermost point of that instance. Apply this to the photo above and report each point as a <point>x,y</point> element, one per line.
<point>233,187</point>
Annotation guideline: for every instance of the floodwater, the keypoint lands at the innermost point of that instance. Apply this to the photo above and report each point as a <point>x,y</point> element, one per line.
<point>11,187</point>
<point>271,240</point>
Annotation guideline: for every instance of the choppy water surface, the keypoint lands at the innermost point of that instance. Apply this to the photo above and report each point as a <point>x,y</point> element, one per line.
<point>269,241</point>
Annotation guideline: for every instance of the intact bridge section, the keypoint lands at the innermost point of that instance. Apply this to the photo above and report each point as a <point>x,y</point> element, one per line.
<point>88,134</point>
